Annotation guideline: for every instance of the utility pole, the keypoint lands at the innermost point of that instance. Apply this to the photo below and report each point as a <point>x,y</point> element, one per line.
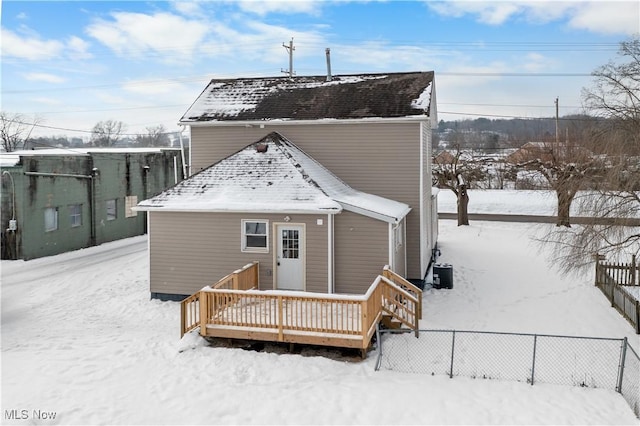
<point>290,48</point>
<point>557,132</point>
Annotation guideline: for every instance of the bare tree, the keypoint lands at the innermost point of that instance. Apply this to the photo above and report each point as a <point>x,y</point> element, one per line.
<point>15,130</point>
<point>567,166</point>
<point>156,136</point>
<point>107,133</point>
<point>452,172</point>
<point>615,203</point>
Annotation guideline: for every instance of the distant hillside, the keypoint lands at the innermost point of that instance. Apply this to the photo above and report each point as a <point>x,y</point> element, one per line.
<point>492,134</point>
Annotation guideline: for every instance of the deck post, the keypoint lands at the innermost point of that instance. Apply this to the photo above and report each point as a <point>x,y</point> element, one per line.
<point>364,327</point>
<point>256,278</point>
<point>234,279</point>
<point>204,309</point>
<point>280,320</point>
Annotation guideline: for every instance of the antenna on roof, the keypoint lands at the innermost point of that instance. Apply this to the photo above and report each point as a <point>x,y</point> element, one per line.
<point>290,49</point>
<point>328,52</point>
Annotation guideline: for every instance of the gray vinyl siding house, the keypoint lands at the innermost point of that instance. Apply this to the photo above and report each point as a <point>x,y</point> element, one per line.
<point>373,132</point>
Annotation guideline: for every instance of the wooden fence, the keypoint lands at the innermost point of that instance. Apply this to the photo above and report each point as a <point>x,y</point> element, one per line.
<point>612,278</point>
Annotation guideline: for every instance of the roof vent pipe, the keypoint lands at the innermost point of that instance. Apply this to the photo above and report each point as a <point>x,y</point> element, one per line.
<point>328,52</point>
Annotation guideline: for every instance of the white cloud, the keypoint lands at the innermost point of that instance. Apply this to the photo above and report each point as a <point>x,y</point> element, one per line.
<point>132,34</point>
<point>46,101</point>
<point>78,48</point>
<point>599,16</point>
<point>607,17</point>
<point>188,8</point>
<point>262,7</point>
<point>40,76</point>
<point>30,48</point>
<point>383,56</point>
<point>535,62</point>
<point>148,87</point>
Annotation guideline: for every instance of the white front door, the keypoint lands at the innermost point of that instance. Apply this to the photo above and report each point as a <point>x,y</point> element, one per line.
<point>290,257</point>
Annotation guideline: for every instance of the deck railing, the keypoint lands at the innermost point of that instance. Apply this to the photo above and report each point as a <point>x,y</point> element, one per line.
<point>406,285</point>
<point>190,308</point>
<point>244,278</point>
<point>228,309</point>
<point>189,313</point>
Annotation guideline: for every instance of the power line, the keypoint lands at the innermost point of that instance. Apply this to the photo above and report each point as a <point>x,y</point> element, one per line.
<point>207,78</point>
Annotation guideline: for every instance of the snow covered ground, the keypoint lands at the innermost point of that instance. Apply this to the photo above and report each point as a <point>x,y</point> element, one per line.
<point>503,201</point>
<point>81,339</point>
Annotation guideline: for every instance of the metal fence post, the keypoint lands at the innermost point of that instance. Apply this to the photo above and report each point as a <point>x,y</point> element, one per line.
<point>533,365</point>
<point>637,317</point>
<point>453,351</point>
<point>379,339</point>
<point>623,356</point>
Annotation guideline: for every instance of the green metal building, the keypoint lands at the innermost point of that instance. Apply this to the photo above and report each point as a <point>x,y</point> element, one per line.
<point>58,200</point>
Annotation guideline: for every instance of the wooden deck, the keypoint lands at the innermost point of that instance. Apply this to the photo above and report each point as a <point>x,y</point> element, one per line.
<point>233,308</point>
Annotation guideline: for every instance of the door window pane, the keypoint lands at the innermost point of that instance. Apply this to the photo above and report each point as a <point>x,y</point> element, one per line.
<point>290,244</point>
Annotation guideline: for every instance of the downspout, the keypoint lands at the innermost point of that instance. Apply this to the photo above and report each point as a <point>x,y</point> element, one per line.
<point>175,170</point>
<point>404,245</point>
<point>423,230</point>
<point>330,259</point>
<point>184,163</point>
<point>92,204</point>
<point>145,194</point>
<point>391,260</point>
<point>13,225</point>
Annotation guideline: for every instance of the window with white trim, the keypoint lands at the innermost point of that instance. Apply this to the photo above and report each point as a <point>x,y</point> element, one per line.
<point>75,215</point>
<point>50,219</point>
<point>255,235</point>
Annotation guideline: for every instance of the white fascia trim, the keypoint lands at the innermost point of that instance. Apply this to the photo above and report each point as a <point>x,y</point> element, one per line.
<point>291,122</point>
<point>375,215</point>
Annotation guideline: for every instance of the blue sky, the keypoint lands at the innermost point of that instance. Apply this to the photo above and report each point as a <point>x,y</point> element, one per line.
<point>72,64</point>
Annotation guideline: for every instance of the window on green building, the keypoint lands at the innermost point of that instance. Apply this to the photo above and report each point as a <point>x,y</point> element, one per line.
<point>112,209</point>
<point>50,219</point>
<point>130,201</point>
<point>75,215</point>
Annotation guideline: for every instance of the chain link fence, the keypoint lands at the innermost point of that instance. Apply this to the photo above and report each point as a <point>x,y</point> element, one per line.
<point>528,358</point>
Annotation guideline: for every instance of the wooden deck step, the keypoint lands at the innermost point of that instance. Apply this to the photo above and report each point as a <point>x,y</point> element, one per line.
<point>390,323</point>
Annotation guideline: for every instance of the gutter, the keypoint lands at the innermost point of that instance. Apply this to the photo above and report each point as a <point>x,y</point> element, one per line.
<point>187,210</point>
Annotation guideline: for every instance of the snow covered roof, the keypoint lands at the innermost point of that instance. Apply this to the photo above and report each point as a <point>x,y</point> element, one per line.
<point>314,98</point>
<point>9,159</point>
<point>271,175</point>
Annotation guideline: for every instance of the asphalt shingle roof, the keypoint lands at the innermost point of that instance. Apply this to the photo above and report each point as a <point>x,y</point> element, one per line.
<point>388,95</point>
<point>271,175</point>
